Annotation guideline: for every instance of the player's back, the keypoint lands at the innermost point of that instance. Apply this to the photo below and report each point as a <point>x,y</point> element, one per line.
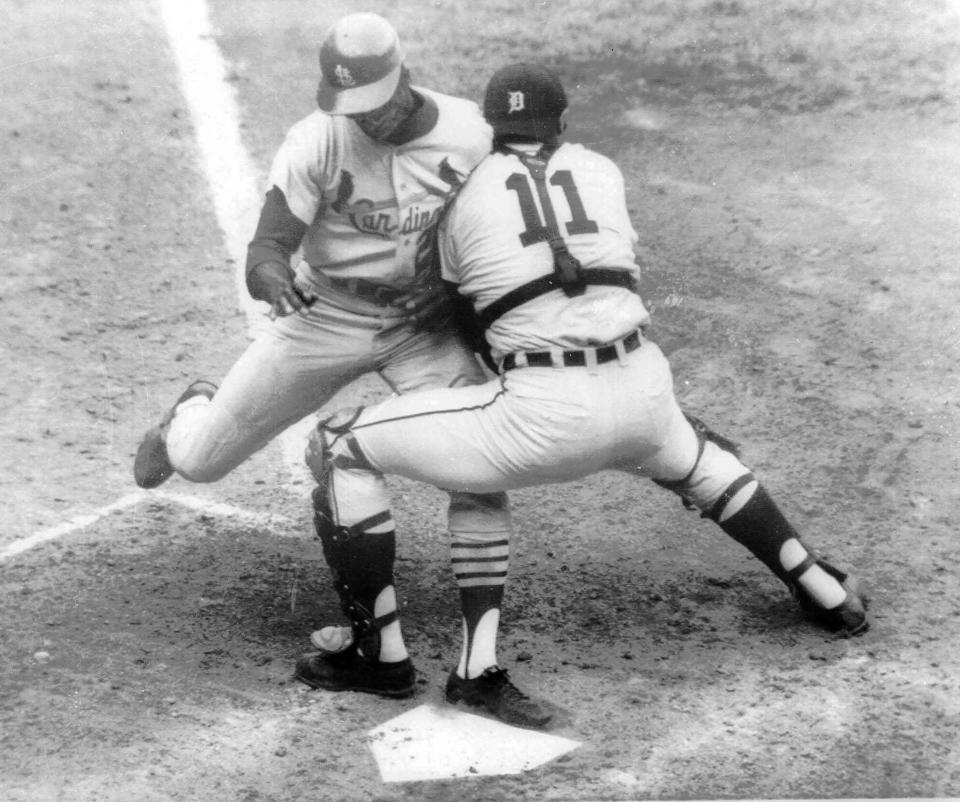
<point>495,240</point>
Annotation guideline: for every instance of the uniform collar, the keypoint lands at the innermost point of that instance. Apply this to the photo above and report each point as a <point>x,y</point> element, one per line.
<point>417,124</point>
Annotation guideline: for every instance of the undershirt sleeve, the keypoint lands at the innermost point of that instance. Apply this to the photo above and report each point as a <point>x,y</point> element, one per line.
<point>279,232</point>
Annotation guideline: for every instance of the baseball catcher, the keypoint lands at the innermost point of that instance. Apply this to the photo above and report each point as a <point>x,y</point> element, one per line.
<point>540,243</point>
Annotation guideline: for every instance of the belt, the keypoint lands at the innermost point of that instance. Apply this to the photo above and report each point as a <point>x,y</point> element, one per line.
<point>571,359</point>
<point>367,290</point>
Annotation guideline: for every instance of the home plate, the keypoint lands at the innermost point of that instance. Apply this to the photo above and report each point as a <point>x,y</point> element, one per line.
<point>439,743</point>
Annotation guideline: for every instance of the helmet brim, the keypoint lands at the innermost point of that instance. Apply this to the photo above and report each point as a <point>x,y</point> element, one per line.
<point>540,129</point>
<point>358,99</point>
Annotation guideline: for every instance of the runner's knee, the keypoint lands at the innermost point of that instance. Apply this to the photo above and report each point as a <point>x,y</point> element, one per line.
<point>202,442</point>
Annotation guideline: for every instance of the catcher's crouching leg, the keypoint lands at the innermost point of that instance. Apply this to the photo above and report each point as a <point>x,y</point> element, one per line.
<point>356,529</point>
<point>728,493</point>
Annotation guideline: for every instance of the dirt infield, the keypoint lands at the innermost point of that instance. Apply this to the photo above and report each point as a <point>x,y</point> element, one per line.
<point>793,178</point>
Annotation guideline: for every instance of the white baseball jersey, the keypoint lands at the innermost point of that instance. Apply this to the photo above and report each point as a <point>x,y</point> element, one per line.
<point>493,241</point>
<point>367,204</point>
<point>596,395</point>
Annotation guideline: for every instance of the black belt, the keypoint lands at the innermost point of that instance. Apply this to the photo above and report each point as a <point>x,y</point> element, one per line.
<point>572,359</point>
<point>367,290</point>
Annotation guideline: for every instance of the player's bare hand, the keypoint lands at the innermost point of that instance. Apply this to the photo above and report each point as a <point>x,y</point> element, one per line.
<point>276,284</point>
<point>432,313</point>
<point>294,298</point>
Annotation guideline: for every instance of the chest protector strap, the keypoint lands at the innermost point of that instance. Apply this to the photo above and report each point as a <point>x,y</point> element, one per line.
<point>568,274</point>
<point>540,286</point>
<point>566,267</point>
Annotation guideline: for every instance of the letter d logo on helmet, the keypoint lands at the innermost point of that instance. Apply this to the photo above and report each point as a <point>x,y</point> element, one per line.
<point>525,99</point>
<point>360,61</point>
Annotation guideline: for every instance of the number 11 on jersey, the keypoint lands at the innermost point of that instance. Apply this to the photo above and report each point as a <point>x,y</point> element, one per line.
<point>535,228</point>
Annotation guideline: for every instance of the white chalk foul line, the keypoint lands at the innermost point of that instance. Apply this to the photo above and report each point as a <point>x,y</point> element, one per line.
<point>222,510</point>
<point>233,183</point>
<point>216,119</point>
<point>72,525</point>
<point>225,162</point>
<point>216,508</point>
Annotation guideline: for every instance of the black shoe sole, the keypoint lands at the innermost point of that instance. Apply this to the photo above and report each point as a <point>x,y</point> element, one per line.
<point>400,693</point>
<point>337,686</point>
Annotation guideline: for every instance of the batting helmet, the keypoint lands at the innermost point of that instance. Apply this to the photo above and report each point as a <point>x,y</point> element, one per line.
<point>360,63</point>
<point>525,99</point>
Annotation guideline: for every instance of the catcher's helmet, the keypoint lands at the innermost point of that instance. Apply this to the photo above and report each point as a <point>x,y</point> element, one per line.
<point>525,99</point>
<point>360,62</point>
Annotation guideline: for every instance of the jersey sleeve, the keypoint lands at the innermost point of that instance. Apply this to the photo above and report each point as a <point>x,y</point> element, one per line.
<point>616,180</point>
<point>301,166</point>
<point>475,137</point>
<point>278,233</point>
<point>479,144</point>
<point>449,268</point>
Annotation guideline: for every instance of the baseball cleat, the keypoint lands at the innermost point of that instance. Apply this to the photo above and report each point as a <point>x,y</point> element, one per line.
<point>494,692</point>
<point>846,620</point>
<point>351,671</point>
<point>151,467</point>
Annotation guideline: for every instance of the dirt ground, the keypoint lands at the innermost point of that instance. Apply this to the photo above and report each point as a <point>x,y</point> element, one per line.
<point>799,238</point>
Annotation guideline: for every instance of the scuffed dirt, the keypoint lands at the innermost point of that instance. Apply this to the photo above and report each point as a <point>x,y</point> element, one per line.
<point>799,243</point>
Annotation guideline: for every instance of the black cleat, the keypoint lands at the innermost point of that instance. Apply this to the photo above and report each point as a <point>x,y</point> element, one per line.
<point>151,467</point>
<point>494,692</point>
<point>351,671</point>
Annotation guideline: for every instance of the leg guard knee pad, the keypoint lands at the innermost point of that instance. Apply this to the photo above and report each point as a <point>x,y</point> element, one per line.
<point>332,444</point>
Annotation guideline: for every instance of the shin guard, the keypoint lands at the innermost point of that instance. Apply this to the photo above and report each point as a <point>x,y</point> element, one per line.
<point>362,566</point>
